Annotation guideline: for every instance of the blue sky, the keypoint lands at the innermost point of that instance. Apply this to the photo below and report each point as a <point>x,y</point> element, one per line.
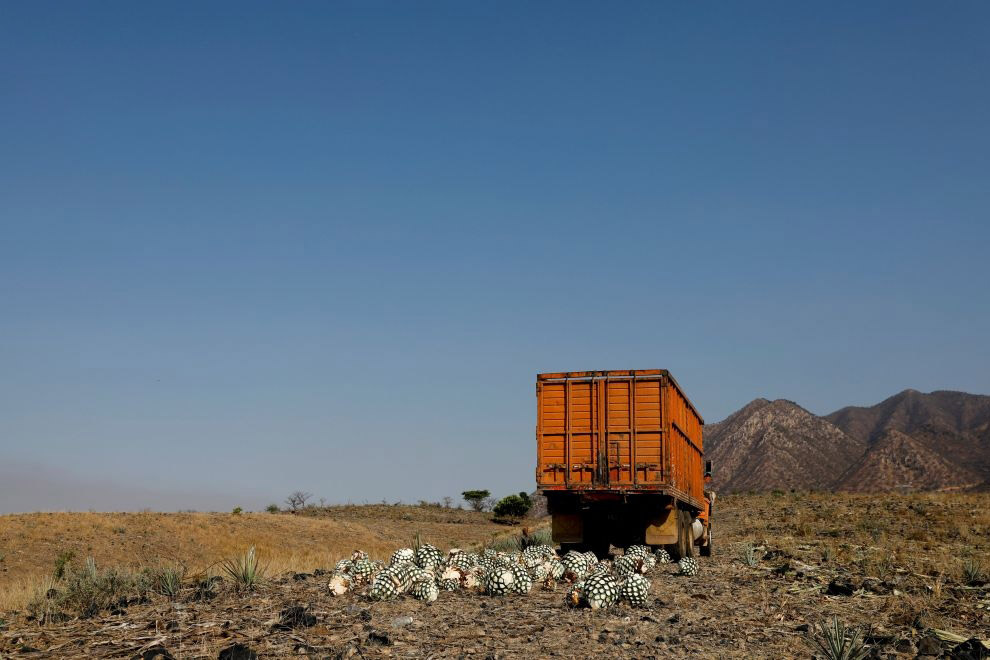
<point>249,247</point>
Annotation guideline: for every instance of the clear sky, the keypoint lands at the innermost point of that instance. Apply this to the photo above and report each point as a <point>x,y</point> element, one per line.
<point>249,248</point>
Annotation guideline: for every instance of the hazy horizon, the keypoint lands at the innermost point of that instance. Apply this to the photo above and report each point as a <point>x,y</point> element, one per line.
<point>250,249</point>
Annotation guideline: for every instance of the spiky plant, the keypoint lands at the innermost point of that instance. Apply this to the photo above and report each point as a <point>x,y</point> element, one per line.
<point>601,591</point>
<point>663,557</point>
<point>167,580</point>
<point>749,555</point>
<point>639,550</point>
<point>837,642</point>
<point>973,572</point>
<point>245,571</point>
<point>635,590</point>
<point>688,566</point>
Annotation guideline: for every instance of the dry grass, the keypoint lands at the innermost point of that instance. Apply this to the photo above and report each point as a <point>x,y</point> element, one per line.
<point>30,543</point>
<point>902,568</point>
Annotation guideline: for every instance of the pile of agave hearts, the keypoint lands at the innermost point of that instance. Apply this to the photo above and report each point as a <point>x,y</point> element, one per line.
<point>425,572</point>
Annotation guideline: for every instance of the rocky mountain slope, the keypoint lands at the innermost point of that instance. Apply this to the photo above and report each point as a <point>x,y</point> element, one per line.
<point>911,441</point>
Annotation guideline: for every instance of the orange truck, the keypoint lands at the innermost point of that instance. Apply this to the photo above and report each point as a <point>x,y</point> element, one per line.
<point>620,461</point>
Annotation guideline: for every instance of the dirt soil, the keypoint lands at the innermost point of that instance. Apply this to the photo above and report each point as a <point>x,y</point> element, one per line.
<point>893,566</point>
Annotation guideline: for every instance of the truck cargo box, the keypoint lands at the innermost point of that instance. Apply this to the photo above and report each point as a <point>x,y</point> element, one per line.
<point>618,432</point>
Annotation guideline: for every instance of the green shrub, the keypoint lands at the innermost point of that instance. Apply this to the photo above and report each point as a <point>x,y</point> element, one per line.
<point>538,537</point>
<point>237,511</point>
<point>513,506</point>
<point>85,591</point>
<point>506,544</point>
<point>61,562</point>
<point>272,508</point>
<point>749,555</point>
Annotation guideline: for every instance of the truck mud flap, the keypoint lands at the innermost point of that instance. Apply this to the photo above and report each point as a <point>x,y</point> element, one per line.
<point>662,530</point>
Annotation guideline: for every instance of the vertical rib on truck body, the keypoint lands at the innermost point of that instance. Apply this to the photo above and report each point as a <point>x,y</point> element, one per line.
<point>607,434</point>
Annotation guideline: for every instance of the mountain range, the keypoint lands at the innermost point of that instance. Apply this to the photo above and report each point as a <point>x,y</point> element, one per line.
<point>910,441</point>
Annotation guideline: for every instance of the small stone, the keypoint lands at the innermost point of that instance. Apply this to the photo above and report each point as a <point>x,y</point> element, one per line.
<point>379,638</point>
<point>401,621</point>
<point>840,587</point>
<point>929,646</point>
<point>238,652</point>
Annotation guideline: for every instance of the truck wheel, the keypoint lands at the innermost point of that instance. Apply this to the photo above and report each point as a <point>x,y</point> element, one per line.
<point>682,548</point>
<point>706,549</point>
<point>687,543</point>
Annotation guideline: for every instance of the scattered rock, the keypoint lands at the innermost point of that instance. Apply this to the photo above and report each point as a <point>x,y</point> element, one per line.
<point>238,652</point>
<point>296,616</point>
<point>401,621</point>
<point>376,637</point>
<point>904,646</point>
<point>155,653</point>
<point>929,646</point>
<point>840,587</point>
<point>971,649</point>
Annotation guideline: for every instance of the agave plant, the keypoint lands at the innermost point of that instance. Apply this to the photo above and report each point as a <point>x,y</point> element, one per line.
<point>836,642</point>
<point>167,580</point>
<point>244,570</point>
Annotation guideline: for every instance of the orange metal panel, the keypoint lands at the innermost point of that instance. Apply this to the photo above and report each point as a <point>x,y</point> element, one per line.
<point>618,431</point>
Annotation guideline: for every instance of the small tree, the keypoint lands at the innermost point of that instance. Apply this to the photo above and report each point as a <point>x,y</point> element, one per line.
<point>448,501</point>
<point>272,508</point>
<point>476,498</point>
<point>298,499</point>
<point>512,506</point>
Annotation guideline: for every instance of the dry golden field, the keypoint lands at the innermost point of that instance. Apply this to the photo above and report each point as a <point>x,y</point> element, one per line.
<point>909,572</point>
<point>30,543</point>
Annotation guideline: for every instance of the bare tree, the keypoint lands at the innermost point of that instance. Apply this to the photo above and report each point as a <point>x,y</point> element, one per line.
<point>448,501</point>
<point>297,500</point>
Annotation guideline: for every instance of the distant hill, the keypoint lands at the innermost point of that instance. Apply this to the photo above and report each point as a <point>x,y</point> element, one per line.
<point>911,441</point>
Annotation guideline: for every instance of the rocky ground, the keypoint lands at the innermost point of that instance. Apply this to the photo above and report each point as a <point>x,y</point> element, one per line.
<point>900,569</point>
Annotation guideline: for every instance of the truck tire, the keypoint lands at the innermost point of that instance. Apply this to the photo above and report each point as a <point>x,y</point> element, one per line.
<point>682,548</point>
<point>687,542</point>
<point>706,549</point>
